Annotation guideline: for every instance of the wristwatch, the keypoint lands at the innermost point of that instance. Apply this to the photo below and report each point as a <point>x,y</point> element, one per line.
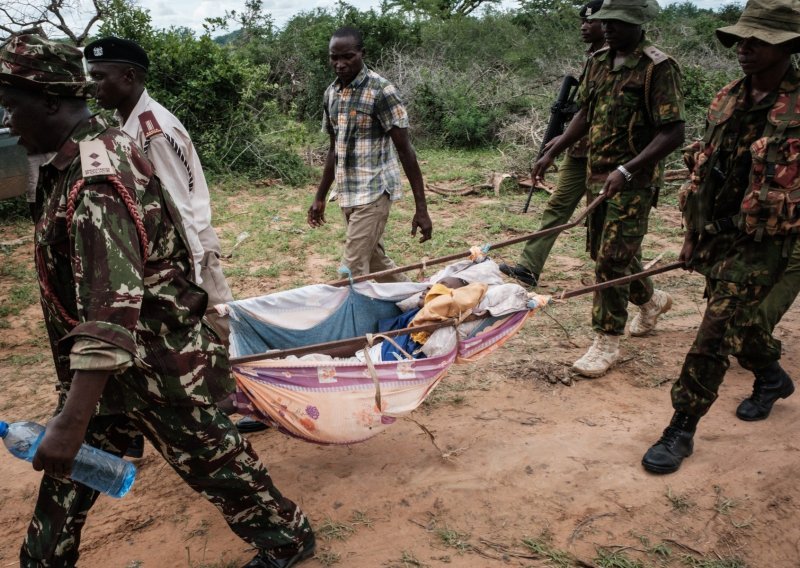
<point>625,173</point>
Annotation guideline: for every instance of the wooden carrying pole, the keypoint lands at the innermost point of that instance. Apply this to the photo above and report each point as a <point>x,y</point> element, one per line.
<point>362,340</point>
<point>617,281</point>
<point>459,255</point>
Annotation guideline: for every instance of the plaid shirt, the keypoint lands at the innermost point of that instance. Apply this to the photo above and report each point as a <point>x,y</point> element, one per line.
<point>360,116</point>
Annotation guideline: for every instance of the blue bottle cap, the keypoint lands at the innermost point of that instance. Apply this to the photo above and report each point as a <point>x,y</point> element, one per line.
<point>3,429</point>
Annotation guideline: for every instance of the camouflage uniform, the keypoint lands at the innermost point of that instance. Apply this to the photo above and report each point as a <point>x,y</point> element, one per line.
<point>740,269</point>
<point>623,120</point>
<point>117,295</point>
<point>782,295</point>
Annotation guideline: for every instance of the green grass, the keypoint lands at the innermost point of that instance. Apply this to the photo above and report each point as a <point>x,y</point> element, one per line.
<point>407,560</point>
<point>543,548</point>
<point>680,502</point>
<point>454,539</point>
<point>616,559</point>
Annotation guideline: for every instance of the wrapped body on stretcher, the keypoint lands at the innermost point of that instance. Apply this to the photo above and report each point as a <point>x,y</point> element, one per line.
<point>457,291</point>
<point>341,397</point>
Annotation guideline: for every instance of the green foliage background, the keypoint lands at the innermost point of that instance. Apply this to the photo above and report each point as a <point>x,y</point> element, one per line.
<point>252,98</point>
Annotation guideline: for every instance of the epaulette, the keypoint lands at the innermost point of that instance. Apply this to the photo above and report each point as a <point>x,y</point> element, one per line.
<point>149,124</point>
<point>656,55</point>
<point>95,161</point>
<point>601,51</point>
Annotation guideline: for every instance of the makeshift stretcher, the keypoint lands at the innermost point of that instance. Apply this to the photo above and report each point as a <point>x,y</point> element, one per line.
<point>285,378</point>
<point>333,400</point>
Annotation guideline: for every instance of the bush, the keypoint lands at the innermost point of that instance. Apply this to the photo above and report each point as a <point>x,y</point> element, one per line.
<point>14,208</point>
<point>251,100</point>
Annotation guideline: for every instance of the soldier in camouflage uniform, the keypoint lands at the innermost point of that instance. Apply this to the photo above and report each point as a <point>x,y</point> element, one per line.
<point>125,321</point>
<point>632,108</point>
<point>571,184</point>
<point>741,213</point>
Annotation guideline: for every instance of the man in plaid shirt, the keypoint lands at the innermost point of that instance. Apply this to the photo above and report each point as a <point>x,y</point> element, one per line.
<point>366,122</point>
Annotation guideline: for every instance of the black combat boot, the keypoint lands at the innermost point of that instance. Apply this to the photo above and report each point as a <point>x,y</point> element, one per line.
<point>520,273</point>
<point>279,558</point>
<point>666,455</point>
<point>771,384</point>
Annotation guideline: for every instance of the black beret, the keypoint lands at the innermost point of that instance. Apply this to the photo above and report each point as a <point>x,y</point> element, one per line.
<point>116,50</point>
<point>590,8</point>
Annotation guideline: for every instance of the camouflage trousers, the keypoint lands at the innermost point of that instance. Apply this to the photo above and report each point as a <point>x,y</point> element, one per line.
<point>782,295</point>
<point>616,230</point>
<point>729,327</point>
<point>205,449</point>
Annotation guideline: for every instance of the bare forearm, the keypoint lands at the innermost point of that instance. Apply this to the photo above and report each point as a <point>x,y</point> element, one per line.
<point>667,139</point>
<point>328,175</point>
<point>414,175</point>
<point>84,393</point>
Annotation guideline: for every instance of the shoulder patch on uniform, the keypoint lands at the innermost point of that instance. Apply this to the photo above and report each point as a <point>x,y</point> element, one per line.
<point>656,55</point>
<point>95,160</point>
<point>150,125</point>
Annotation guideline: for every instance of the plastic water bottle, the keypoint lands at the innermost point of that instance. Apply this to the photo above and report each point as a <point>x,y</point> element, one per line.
<point>94,468</point>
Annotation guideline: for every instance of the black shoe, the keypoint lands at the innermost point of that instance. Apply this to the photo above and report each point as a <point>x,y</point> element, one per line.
<point>248,425</point>
<point>135,448</point>
<point>771,384</point>
<point>676,443</point>
<point>267,559</point>
<point>520,273</point>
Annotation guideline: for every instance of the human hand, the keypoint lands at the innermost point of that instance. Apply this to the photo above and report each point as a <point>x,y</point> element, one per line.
<point>422,221</point>
<point>59,446</point>
<point>540,167</point>
<point>316,213</point>
<point>687,250</point>
<point>615,182</point>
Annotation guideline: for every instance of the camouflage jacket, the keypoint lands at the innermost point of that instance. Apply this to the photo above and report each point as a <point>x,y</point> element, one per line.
<point>106,306</point>
<point>723,168</point>
<point>626,105</point>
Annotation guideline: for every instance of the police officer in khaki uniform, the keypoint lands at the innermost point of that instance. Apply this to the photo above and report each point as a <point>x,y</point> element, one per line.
<point>741,210</point>
<point>631,105</point>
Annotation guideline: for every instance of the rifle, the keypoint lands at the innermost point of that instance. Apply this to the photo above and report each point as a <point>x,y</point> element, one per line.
<point>561,113</point>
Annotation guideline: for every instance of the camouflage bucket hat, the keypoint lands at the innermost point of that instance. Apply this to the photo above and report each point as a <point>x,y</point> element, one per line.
<point>37,64</point>
<point>635,12</point>
<point>771,21</point>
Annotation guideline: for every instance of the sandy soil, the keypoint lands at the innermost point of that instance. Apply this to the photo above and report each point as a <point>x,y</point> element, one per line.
<point>523,453</point>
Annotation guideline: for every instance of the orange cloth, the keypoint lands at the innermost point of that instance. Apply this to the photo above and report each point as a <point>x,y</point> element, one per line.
<point>442,303</point>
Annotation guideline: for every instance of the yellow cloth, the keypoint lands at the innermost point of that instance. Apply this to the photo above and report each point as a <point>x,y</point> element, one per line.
<point>442,303</point>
